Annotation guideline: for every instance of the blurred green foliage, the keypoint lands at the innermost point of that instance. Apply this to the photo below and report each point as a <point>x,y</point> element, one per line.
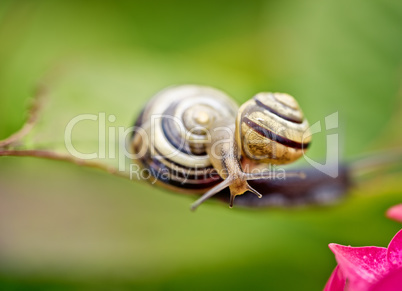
<point>62,226</point>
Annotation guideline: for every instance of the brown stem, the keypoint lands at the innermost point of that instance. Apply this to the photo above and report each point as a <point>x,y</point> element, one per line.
<point>63,157</point>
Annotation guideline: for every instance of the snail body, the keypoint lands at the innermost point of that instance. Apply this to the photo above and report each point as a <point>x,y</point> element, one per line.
<point>196,139</point>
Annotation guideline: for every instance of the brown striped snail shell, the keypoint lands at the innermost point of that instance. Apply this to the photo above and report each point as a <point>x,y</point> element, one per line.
<point>175,147</point>
<point>272,129</point>
<point>195,139</point>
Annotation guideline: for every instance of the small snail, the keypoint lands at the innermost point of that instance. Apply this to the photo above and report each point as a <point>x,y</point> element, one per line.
<point>195,139</point>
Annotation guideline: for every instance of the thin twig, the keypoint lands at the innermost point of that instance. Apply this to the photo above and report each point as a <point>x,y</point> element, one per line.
<point>63,157</point>
<point>33,114</point>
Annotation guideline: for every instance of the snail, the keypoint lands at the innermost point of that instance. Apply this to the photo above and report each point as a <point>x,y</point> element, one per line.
<point>195,139</point>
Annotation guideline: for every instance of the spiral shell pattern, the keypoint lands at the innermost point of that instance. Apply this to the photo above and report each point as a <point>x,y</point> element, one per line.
<point>170,135</point>
<point>271,128</point>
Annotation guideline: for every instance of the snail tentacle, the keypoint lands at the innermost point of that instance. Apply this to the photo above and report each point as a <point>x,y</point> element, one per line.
<point>210,193</point>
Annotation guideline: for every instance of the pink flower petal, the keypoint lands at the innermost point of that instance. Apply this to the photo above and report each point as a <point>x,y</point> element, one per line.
<point>391,282</point>
<point>395,213</point>
<point>336,282</point>
<point>394,253</point>
<point>361,266</point>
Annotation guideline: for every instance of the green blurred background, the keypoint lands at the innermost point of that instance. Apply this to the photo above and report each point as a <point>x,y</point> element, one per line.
<point>67,227</point>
